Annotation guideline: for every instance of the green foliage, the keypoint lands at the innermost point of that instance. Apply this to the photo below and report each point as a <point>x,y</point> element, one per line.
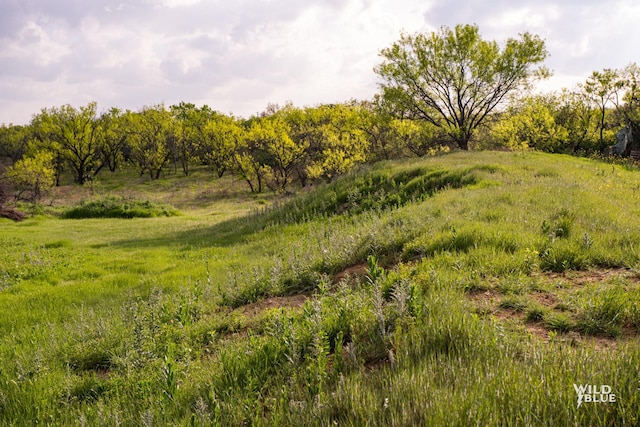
<point>530,124</point>
<point>603,87</point>
<point>222,137</point>
<point>14,141</point>
<point>282,154</point>
<point>417,137</point>
<point>32,176</point>
<point>77,134</point>
<point>151,140</point>
<point>454,79</point>
<point>118,207</point>
<point>340,142</point>
<point>377,189</point>
<point>113,137</point>
<point>189,126</point>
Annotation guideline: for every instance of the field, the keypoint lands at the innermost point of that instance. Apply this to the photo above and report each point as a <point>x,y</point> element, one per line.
<point>463,289</point>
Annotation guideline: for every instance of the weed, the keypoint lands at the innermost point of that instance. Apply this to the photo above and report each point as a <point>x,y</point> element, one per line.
<point>559,322</point>
<point>535,313</point>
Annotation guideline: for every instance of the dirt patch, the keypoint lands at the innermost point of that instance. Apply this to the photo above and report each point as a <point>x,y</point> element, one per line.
<point>489,302</point>
<point>582,278</point>
<point>599,343</point>
<point>507,314</point>
<point>355,271</point>
<point>483,296</point>
<point>544,299</point>
<point>291,301</point>
<point>538,331</point>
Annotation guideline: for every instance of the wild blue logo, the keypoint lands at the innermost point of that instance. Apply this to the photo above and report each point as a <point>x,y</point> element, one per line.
<point>591,393</point>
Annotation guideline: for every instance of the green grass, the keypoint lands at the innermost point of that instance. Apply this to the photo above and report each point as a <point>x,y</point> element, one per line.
<point>118,207</point>
<point>481,287</point>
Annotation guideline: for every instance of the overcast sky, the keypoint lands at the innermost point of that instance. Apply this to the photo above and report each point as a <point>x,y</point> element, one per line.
<point>239,55</point>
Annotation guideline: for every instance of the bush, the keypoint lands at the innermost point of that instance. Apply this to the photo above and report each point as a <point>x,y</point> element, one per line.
<point>32,177</point>
<point>115,207</point>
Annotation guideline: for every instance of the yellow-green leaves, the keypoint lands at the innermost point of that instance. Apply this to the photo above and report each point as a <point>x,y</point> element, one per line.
<point>32,176</point>
<point>77,134</point>
<point>453,78</point>
<point>153,132</point>
<point>530,123</point>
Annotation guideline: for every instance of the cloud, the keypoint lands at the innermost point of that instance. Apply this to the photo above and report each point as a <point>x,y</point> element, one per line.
<point>238,56</point>
<point>581,36</point>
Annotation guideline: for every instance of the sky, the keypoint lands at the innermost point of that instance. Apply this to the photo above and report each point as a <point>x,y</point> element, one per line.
<point>238,56</point>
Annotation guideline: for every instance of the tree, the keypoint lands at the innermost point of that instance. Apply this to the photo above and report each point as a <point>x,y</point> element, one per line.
<point>631,108</point>
<point>152,139</point>
<point>341,141</point>
<point>76,131</point>
<point>575,113</point>
<point>14,140</point>
<point>282,154</point>
<point>330,139</point>
<point>418,137</point>
<point>219,138</point>
<point>249,159</point>
<point>32,176</point>
<point>603,88</point>
<point>113,136</point>
<point>190,123</point>
<point>377,124</point>
<point>453,79</point>
<point>529,122</point>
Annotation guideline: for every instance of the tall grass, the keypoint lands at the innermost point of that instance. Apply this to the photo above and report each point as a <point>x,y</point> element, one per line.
<point>254,317</point>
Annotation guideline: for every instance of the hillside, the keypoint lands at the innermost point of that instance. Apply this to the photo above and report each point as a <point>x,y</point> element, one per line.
<point>466,289</point>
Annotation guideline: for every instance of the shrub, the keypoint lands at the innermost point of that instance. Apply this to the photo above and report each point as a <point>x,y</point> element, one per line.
<point>32,177</point>
<point>116,207</point>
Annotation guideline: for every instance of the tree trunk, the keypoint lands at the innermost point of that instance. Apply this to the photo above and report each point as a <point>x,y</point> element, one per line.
<point>463,143</point>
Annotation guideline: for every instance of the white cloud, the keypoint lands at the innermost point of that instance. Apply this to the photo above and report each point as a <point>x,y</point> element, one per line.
<point>178,3</point>
<point>532,18</point>
<point>238,56</point>
<point>35,43</point>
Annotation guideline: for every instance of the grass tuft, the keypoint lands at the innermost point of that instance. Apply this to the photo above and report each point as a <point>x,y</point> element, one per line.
<point>119,207</point>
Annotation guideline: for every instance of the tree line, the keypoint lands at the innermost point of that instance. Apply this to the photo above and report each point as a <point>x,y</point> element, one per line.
<point>447,89</point>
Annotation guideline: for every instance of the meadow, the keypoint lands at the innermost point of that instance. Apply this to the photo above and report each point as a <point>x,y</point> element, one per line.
<point>470,288</point>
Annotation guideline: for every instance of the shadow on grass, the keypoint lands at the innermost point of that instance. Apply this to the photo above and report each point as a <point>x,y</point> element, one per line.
<point>225,234</point>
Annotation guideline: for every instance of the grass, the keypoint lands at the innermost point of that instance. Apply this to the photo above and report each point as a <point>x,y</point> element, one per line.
<point>484,286</point>
<point>114,207</point>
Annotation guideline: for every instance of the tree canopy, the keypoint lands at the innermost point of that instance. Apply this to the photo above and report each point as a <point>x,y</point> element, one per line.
<point>438,90</point>
<point>453,78</point>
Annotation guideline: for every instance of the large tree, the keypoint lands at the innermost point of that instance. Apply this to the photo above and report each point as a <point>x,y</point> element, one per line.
<point>77,133</point>
<point>453,78</point>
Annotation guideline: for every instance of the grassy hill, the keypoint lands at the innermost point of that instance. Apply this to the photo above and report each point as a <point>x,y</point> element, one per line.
<point>466,289</point>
